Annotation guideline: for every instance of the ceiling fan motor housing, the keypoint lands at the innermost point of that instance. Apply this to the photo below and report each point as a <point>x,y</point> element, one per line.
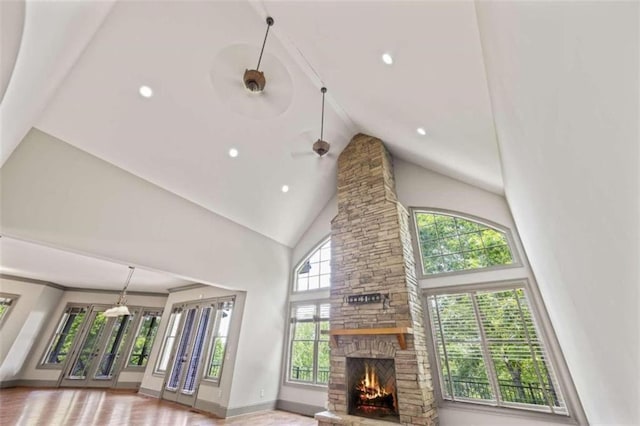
<point>321,147</point>
<point>254,80</point>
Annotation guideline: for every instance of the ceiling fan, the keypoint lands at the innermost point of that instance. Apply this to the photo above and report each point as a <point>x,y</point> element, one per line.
<point>320,148</point>
<point>260,93</point>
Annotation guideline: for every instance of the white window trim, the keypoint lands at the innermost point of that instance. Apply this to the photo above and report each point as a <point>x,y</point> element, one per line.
<point>289,343</point>
<point>138,325</point>
<point>214,333</point>
<point>575,411</point>
<point>515,253</point>
<point>307,256</point>
<point>42,364</point>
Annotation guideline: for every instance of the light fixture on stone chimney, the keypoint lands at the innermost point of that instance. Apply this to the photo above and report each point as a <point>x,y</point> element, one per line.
<point>120,308</point>
<point>254,80</point>
<point>305,268</point>
<point>321,147</point>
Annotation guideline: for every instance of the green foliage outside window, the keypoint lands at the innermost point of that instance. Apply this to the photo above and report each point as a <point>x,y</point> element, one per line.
<point>309,356</point>
<point>89,347</point>
<point>144,339</point>
<point>449,243</point>
<point>219,342</point>
<point>5,304</point>
<point>65,334</point>
<point>489,349</point>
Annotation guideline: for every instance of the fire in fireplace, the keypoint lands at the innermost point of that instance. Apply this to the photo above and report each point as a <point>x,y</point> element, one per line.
<point>372,388</point>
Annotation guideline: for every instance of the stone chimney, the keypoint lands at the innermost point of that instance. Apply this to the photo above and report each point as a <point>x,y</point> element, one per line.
<point>372,254</point>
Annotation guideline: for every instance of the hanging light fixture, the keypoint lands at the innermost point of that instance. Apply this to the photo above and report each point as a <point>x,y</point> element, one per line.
<point>321,147</point>
<point>120,308</point>
<point>254,80</point>
<point>305,268</point>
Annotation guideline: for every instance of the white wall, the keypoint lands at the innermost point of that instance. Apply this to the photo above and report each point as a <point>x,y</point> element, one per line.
<point>418,187</point>
<point>565,101</point>
<point>24,323</point>
<point>56,194</point>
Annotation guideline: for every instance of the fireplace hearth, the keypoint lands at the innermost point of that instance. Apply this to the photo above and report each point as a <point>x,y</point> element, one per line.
<point>372,388</point>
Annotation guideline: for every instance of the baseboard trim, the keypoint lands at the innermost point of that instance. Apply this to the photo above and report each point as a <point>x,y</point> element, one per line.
<point>237,411</point>
<point>298,408</point>
<point>29,384</point>
<point>149,392</point>
<point>211,407</point>
<point>127,385</point>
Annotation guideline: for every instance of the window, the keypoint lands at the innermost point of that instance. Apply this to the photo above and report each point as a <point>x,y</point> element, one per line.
<point>309,347</point>
<point>6,303</point>
<point>448,243</point>
<point>66,331</point>
<point>144,339</point>
<point>314,272</point>
<point>489,350</point>
<point>115,346</point>
<point>219,340</point>
<point>169,340</point>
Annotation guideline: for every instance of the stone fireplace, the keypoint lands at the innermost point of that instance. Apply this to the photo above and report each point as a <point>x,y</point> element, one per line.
<point>377,324</point>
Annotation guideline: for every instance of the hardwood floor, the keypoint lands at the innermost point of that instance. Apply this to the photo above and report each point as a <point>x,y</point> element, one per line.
<point>82,407</point>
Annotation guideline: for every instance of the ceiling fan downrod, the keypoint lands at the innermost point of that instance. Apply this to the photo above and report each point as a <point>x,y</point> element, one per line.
<point>321,147</point>
<point>254,80</point>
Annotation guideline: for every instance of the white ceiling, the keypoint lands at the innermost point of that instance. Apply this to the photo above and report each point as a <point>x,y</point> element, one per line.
<point>28,260</point>
<point>179,138</point>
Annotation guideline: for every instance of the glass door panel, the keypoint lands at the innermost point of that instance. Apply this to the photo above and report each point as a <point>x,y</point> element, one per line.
<point>114,346</point>
<point>64,336</point>
<point>190,382</point>
<point>87,350</point>
<point>181,353</point>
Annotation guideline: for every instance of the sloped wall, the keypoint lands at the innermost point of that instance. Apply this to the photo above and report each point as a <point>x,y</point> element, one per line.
<point>564,81</point>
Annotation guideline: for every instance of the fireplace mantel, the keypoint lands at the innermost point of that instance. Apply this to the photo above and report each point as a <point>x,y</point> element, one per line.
<point>398,331</point>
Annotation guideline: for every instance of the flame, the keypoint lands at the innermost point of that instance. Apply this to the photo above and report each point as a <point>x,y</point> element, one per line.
<point>369,386</point>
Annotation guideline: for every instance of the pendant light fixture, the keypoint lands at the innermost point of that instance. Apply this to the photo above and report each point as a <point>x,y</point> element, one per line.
<point>254,80</point>
<point>321,147</point>
<point>120,308</point>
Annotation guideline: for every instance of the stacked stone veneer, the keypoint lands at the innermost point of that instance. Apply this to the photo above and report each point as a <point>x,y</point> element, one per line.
<point>372,253</point>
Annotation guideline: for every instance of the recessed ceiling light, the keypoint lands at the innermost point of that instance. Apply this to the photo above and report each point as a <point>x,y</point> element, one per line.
<point>233,153</point>
<point>145,91</point>
<point>285,188</point>
<point>421,131</point>
<point>387,59</point>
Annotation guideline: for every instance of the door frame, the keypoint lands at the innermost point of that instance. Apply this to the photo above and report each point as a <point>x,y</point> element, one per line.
<point>178,394</point>
<point>89,380</point>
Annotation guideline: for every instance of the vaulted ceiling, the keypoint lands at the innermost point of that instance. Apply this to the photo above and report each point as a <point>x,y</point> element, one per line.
<point>538,100</point>
<point>193,54</point>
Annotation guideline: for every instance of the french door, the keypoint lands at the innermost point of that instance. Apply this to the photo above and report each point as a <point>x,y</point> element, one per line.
<point>97,352</point>
<point>187,361</point>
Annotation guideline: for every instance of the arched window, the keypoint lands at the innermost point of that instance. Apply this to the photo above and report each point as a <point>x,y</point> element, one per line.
<point>449,243</point>
<point>314,272</point>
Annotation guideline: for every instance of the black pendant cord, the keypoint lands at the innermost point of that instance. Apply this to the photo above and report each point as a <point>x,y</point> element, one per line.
<point>269,24</point>
<point>323,90</point>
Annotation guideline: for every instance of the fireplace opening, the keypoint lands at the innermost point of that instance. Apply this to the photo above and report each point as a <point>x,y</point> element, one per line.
<point>372,388</point>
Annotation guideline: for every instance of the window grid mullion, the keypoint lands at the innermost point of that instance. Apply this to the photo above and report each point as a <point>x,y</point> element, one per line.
<point>533,355</point>
<point>315,344</point>
<point>444,349</point>
<point>493,377</point>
